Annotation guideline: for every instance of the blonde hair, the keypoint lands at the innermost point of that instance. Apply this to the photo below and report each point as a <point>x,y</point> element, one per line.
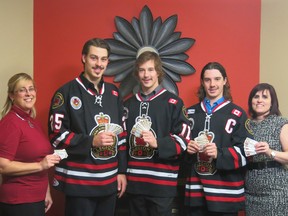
<point>12,83</point>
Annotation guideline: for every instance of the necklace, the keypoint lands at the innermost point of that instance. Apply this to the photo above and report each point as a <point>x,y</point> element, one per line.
<point>29,123</point>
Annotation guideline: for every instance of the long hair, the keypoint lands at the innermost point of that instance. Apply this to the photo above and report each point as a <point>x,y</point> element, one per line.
<point>146,56</point>
<point>12,83</point>
<point>226,90</point>
<point>274,109</point>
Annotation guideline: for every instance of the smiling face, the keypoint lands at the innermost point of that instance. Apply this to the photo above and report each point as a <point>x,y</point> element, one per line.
<point>213,83</point>
<point>95,63</point>
<point>24,95</point>
<point>148,76</point>
<point>261,103</point>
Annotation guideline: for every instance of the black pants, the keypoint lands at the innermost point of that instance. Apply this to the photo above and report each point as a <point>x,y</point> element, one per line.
<point>90,206</point>
<point>202,211</point>
<point>140,205</point>
<point>25,209</point>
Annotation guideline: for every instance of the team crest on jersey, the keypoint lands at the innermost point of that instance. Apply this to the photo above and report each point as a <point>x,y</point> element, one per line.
<point>185,112</point>
<point>205,165</point>
<point>75,102</point>
<point>103,152</point>
<point>139,149</point>
<point>248,126</point>
<point>58,100</point>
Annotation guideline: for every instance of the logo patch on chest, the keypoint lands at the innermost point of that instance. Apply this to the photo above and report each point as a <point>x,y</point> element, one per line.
<point>76,103</point>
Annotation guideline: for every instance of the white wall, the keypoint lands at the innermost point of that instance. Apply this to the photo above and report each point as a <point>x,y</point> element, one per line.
<point>16,41</point>
<point>274,48</point>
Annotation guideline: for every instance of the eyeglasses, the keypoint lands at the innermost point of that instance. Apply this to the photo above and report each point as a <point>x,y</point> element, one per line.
<point>23,91</point>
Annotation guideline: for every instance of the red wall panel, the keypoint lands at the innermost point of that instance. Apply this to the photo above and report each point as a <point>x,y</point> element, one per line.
<point>225,31</point>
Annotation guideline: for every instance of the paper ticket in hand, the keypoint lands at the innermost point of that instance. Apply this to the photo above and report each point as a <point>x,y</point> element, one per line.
<point>114,128</point>
<point>202,140</point>
<point>140,126</point>
<point>249,147</point>
<point>61,153</point>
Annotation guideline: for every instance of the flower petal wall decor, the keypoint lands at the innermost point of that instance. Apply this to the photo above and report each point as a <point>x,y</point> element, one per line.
<point>144,34</point>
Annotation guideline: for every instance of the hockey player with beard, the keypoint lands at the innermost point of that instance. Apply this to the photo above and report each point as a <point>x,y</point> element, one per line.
<point>94,171</point>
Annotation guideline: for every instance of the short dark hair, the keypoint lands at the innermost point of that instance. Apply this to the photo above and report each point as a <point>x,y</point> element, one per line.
<point>97,42</point>
<point>146,56</point>
<point>274,109</point>
<point>209,66</point>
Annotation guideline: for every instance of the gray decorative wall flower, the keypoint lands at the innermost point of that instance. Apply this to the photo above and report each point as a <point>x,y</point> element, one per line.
<point>147,34</point>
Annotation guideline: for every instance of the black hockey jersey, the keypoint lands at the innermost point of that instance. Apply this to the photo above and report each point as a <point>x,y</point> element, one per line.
<point>154,172</point>
<point>218,183</point>
<point>76,114</point>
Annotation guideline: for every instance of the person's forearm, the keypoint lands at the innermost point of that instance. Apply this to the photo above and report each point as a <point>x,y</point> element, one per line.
<point>15,168</point>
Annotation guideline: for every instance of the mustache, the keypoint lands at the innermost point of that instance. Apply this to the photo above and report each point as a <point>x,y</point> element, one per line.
<point>98,67</point>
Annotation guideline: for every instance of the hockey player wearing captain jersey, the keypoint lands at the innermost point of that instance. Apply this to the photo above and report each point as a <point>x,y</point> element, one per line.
<point>84,119</point>
<point>158,132</point>
<point>215,185</point>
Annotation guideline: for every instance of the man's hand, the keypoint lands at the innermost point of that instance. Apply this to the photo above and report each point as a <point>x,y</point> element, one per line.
<point>121,184</point>
<point>103,139</point>
<point>150,139</point>
<point>192,147</point>
<point>211,150</point>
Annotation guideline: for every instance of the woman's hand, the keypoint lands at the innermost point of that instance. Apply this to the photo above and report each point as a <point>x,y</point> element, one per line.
<point>263,147</point>
<point>49,161</point>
